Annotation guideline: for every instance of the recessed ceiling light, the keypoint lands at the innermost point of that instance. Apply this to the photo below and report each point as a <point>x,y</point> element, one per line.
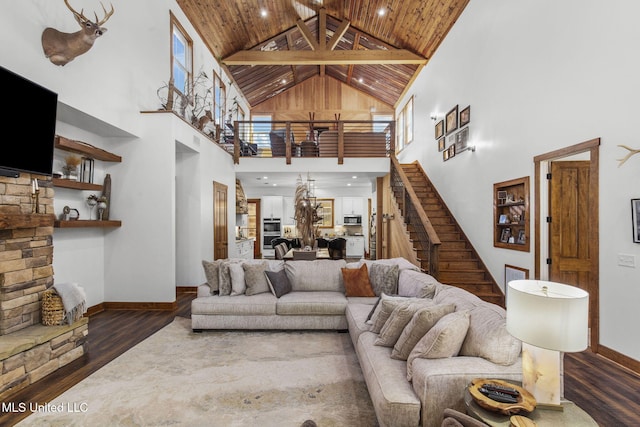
<point>360,80</point>
<point>284,81</point>
<point>348,184</point>
<point>263,13</point>
<point>382,11</point>
<point>354,176</point>
<point>274,184</point>
<point>265,177</point>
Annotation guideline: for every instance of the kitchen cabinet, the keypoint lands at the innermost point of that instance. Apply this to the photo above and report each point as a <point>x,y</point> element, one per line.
<point>288,217</point>
<point>355,246</point>
<point>352,206</point>
<point>272,207</point>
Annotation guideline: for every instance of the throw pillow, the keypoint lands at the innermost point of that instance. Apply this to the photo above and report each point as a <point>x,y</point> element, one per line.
<point>238,286</point>
<point>400,316</point>
<point>420,323</point>
<point>442,341</point>
<point>224,277</point>
<point>278,282</point>
<point>377,308</point>
<point>386,308</point>
<point>413,283</point>
<point>255,279</point>
<point>383,278</point>
<point>356,282</point>
<point>211,272</point>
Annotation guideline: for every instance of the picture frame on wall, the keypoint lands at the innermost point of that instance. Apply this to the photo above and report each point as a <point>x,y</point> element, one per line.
<point>452,150</point>
<point>505,235</point>
<point>441,144</point>
<point>465,116</point>
<point>445,155</point>
<point>511,272</point>
<point>635,219</point>
<point>522,238</point>
<point>451,120</point>
<point>439,129</point>
<point>462,138</point>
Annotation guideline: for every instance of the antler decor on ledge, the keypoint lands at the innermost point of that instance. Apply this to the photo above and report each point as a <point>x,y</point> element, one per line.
<point>632,152</point>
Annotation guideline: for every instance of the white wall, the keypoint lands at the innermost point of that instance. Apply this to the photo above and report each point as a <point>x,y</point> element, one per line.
<point>164,182</point>
<point>540,75</point>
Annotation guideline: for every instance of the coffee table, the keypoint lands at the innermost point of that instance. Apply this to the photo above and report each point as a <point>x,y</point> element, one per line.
<point>571,415</point>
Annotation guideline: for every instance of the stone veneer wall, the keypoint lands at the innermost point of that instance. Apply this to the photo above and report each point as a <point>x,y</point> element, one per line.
<point>29,350</point>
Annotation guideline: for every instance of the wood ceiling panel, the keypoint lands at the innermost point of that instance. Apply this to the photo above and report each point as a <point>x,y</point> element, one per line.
<point>231,26</point>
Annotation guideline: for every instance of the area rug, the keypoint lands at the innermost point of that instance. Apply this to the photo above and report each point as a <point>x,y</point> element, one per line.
<point>220,378</point>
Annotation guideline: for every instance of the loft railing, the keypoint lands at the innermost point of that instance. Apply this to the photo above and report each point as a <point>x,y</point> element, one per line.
<point>425,237</point>
<point>317,138</point>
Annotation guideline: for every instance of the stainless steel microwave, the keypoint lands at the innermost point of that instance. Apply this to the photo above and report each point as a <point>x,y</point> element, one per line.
<point>352,220</point>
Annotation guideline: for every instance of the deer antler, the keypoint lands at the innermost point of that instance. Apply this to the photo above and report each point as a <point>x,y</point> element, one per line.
<point>80,16</point>
<point>632,152</point>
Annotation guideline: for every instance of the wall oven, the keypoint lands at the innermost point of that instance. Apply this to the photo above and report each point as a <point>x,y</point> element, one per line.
<point>271,229</point>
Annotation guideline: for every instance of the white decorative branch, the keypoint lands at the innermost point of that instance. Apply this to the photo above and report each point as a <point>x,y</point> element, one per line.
<point>632,151</point>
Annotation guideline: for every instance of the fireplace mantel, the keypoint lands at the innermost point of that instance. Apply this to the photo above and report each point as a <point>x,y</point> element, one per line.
<point>14,221</point>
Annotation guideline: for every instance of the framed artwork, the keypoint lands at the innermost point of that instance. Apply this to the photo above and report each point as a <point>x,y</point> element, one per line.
<point>503,219</point>
<point>445,155</point>
<point>635,217</point>
<point>462,137</point>
<point>465,116</point>
<point>452,150</point>
<point>325,211</point>
<point>440,129</point>
<point>522,238</point>
<point>511,272</point>
<point>505,235</point>
<point>451,120</point>
<point>441,144</point>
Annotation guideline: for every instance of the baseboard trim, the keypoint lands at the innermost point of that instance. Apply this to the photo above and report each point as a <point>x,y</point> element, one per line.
<point>186,290</point>
<point>151,306</point>
<point>620,359</point>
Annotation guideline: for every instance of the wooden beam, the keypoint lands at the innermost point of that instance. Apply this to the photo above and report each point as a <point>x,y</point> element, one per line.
<point>344,26</point>
<point>332,57</point>
<point>304,30</point>
<point>322,29</point>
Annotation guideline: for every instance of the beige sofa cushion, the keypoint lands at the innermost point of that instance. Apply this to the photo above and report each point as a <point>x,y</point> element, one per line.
<point>442,341</point>
<point>304,303</point>
<point>256,305</point>
<point>400,316</point>
<point>422,321</point>
<point>488,337</point>
<point>317,275</point>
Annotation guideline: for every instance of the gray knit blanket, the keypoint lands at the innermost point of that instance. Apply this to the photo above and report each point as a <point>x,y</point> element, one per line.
<point>73,299</point>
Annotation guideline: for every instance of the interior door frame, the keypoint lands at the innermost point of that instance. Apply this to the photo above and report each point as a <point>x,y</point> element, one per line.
<point>592,147</point>
<point>220,221</point>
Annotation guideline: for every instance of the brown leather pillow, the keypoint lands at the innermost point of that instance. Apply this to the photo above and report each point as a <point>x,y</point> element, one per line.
<point>356,282</point>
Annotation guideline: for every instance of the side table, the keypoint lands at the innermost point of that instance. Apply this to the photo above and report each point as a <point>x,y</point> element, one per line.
<point>572,415</point>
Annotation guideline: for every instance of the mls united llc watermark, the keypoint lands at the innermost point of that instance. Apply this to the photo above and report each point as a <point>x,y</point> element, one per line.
<point>43,407</point>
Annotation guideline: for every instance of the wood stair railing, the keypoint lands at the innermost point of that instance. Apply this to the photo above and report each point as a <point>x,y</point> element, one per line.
<point>458,263</point>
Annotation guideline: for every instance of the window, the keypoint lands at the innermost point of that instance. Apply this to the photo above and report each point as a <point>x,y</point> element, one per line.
<point>260,127</point>
<point>181,58</point>
<point>219,99</point>
<point>381,121</point>
<point>404,126</point>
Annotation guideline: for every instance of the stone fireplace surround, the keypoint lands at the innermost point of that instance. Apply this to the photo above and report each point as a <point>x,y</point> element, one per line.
<point>29,350</point>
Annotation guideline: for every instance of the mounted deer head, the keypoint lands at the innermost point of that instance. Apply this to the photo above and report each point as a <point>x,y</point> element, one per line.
<point>62,48</point>
<point>631,152</point>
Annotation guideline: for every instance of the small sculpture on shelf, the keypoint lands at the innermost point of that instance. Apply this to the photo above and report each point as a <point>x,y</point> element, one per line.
<point>92,201</point>
<point>102,205</point>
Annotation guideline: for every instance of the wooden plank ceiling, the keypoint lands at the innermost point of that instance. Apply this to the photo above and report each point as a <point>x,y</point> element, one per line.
<point>348,40</point>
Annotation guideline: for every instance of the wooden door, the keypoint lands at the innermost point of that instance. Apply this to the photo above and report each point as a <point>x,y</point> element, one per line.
<point>572,216</point>
<point>253,226</point>
<point>220,213</point>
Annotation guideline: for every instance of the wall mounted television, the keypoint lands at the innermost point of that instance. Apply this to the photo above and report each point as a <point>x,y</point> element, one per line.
<point>30,115</point>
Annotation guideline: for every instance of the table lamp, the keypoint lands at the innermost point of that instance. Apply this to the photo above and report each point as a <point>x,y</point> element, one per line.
<point>549,318</point>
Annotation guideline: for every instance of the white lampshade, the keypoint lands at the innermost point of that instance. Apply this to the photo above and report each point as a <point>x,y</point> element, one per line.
<point>549,315</point>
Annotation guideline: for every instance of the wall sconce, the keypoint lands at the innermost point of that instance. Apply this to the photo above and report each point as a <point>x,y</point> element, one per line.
<point>388,216</point>
<point>472,148</point>
<point>434,116</point>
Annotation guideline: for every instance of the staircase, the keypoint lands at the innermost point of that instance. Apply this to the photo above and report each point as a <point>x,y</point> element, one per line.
<point>458,263</point>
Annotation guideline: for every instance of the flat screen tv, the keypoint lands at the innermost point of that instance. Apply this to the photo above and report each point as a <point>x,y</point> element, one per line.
<point>29,115</point>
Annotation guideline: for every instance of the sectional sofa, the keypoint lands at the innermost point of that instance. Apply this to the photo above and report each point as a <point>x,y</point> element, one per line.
<point>419,342</point>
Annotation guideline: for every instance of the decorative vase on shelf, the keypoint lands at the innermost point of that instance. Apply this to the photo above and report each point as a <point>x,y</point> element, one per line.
<point>92,201</point>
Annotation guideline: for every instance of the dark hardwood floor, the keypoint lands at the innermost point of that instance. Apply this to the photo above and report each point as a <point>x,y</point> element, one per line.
<point>604,389</point>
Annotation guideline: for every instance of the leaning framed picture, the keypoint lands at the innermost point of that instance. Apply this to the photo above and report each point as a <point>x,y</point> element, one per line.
<point>440,129</point>
<point>511,272</point>
<point>465,116</point>
<point>451,120</point>
<point>505,235</point>
<point>635,219</point>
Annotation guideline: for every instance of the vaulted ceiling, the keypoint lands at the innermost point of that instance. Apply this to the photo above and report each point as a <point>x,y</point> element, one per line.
<point>377,46</point>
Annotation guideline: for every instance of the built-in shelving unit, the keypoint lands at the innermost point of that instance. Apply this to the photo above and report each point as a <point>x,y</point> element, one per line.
<point>511,214</point>
<point>87,150</point>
